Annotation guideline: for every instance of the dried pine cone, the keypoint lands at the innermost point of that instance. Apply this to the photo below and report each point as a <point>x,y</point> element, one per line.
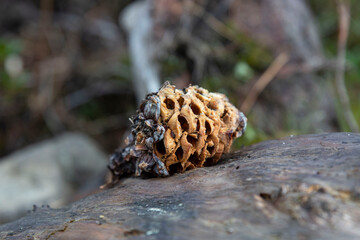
<point>175,130</point>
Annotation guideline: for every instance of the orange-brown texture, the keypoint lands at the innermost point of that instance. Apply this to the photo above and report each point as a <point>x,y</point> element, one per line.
<point>200,127</point>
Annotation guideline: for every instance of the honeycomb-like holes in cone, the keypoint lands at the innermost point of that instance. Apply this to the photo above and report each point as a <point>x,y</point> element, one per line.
<point>234,135</point>
<point>195,108</point>
<point>190,166</point>
<point>183,123</point>
<point>179,153</point>
<point>211,149</point>
<point>195,159</point>
<point>200,90</point>
<point>160,147</point>
<point>207,127</point>
<point>200,97</point>
<point>224,113</point>
<point>181,101</point>
<point>174,168</point>
<point>213,105</point>
<point>170,104</point>
<point>191,140</point>
<point>227,119</point>
<point>198,128</point>
<point>226,116</point>
<point>198,125</point>
<point>209,162</point>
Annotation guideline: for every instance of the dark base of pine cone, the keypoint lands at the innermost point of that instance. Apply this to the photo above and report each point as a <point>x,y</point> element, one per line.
<point>304,187</point>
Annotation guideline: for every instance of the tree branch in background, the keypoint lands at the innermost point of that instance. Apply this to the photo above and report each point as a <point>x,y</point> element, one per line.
<point>215,24</point>
<point>263,81</point>
<point>344,22</point>
<point>138,23</point>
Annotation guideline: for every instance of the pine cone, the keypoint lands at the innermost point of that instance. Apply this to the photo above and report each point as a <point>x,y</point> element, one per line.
<point>175,130</point>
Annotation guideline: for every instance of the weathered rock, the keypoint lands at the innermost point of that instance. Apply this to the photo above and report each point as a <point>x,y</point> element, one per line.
<point>50,173</point>
<point>305,187</point>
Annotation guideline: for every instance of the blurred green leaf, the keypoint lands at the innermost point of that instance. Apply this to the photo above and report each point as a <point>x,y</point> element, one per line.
<point>8,47</point>
<point>243,72</point>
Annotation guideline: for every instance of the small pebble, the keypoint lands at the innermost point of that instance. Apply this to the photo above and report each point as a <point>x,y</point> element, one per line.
<point>152,232</point>
<point>230,230</point>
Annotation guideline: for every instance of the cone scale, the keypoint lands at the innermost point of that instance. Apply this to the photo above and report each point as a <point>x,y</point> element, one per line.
<point>175,130</point>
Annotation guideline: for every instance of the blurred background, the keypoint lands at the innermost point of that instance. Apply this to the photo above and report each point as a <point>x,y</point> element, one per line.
<point>73,72</point>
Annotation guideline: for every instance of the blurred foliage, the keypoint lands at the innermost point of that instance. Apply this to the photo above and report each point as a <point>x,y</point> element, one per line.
<point>233,65</point>
<point>230,65</point>
<point>243,72</point>
<point>13,78</point>
<point>325,13</point>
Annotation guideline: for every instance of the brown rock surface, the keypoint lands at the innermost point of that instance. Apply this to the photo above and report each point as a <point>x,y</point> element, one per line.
<point>305,187</point>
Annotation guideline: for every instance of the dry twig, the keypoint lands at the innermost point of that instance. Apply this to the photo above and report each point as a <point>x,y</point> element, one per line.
<point>263,81</point>
<point>344,22</point>
<point>215,24</point>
